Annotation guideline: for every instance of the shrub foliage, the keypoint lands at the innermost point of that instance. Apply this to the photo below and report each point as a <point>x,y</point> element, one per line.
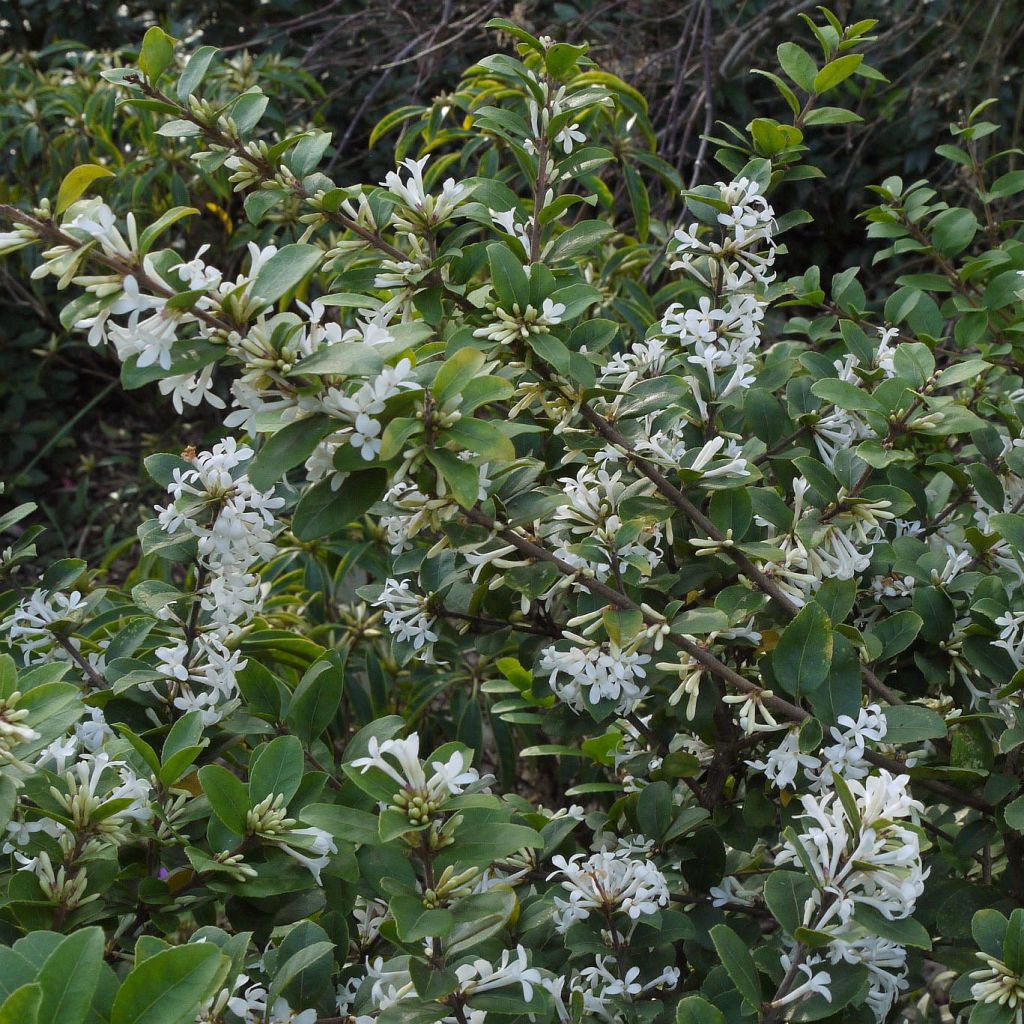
<point>582,615</point>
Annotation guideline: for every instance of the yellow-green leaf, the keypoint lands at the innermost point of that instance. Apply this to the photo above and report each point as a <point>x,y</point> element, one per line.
<point>77,181</point>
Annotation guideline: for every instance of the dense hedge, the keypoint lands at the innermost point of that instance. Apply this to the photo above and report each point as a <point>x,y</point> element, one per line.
<point>557,598</point>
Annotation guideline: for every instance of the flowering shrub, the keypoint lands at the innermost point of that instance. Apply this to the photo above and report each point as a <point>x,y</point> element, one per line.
<point>576,620</point>
<point>57,113</point>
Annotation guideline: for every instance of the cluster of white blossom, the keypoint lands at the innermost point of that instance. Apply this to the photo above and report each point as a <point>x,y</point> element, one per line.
<point>844,756</point>
<point>388,983</point>
<point>408,618</point>
<point>360,410</point>
<point>250,1004</point>
<point>872,861</point>
<point>98,802</point>
<point>608,882</point>
<point>595,673</point>
<point>233,524</point>
<point>587,530</point>
<point>399,760</point>
<point>816,547</point>
<point>32,626</point>
<point>601,989</point>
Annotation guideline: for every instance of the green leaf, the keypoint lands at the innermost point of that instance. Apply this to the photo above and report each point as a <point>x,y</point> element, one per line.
<point>697,1010</point>
<point>849,984</point>
<point>295,965</point>
<point>798,64</point>
<point>161,224</point>
<point>157,52</point>
<point>845,395</point>
<point>804,653</point>
<point>837,597</point>
<point>322,511</point>
<point>195,71</point>
<point>1014,814</point>
<point>654,809</point>
<point>415,921</point>
<point>22,1006</point>
<point>345,359</point>
<point>482,438</point>
<point>70,976</point>
<point>732,509</point>
<point>849,804</point>
<point>639,200</point>
<point>908,723</point>
<point>277,770</point>
<point>462,478</point>
<point>285,270</point>
<point>488,842</point>
<point>16,514</point>
<point>348,823</point>
<point>988,929</point>
<point>77,181</point>
<point>953,230</point>
<point>739,964</point>
<point>511,284</point>
<point>15,969</point>
<point>316,699</point>
<point>167,988</point>
<point>479,916</point>
<point>457,371</point>
<point>227,795</point>
<point>831,115</point>
<point>897,632</point>
<point>1010,526</point>
<point>580,238</point>
<point>991,1013</point>
<point>292,444</point>
<point>392,120</point>
<point>836,71</point>
<point>906,931</point>
<point>561,57</point>
<point>786,893</point>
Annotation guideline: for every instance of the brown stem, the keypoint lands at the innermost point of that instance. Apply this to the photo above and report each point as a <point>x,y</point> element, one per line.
<point>49,231</point>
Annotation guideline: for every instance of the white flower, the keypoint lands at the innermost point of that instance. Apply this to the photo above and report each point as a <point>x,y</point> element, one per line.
<point>845,756</point>
<point>421,208</point>
<point>310,847</point>
<point>731,891</point>
<point>407,615</point>
<point>399,760</point>
<point>754,715</point>
<point>366,437</point>
<point>782,764</point>
<point>191,389</point>
<point>601,672</point>
<point>568,136</point>
<point>30,624</point>
<point>481,975</point>
<point>874,862</point>
<point>817,983</point>
<point>608,881</point>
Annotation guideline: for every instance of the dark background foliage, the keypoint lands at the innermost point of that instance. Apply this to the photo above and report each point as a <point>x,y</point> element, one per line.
<point>73,439</point>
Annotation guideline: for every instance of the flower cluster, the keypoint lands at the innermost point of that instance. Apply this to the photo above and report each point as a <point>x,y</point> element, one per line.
<point>233,525</point>
<point>862,855</point>
<point>608,882</point>
<point>603,672</point>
